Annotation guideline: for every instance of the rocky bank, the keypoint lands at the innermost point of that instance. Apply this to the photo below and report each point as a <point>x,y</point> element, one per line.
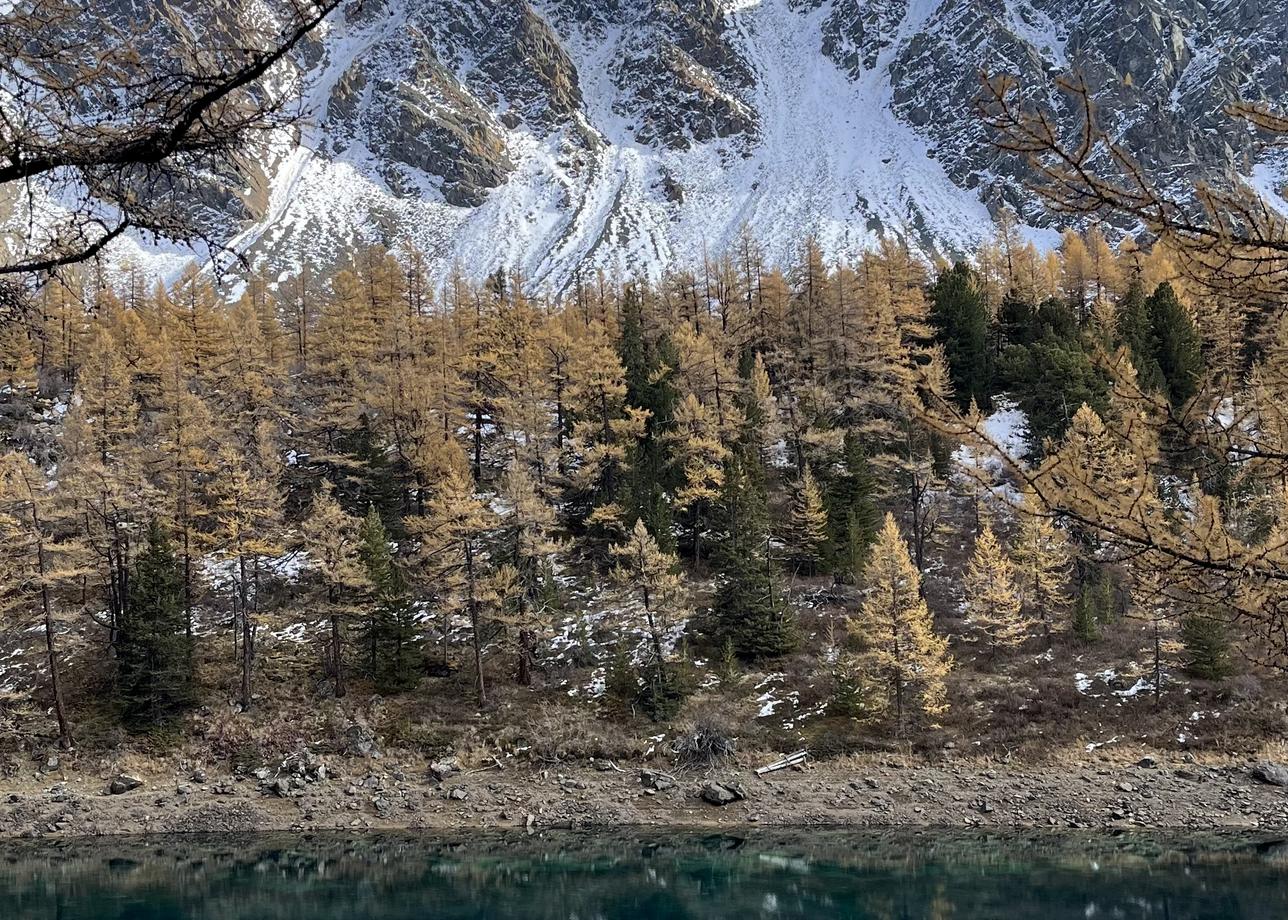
<point>308,792</point>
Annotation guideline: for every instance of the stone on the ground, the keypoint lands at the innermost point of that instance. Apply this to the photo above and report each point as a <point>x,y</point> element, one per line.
<point>1272,774</point>
<point>123,783</point>
<point>360,740</point>
<point>442,769</point>
<point>722,793</point>
<point>652,779</point>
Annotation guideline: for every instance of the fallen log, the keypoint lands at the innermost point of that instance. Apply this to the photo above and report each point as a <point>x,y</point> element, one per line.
<point>790,760</point>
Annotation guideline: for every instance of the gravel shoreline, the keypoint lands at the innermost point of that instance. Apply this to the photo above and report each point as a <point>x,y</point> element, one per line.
<point>1155,792</point>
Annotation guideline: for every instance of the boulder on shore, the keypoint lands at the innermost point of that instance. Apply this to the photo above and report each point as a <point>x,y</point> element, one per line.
<point>123,783</point>
<point>1272,774</point>
<point>722,793</point>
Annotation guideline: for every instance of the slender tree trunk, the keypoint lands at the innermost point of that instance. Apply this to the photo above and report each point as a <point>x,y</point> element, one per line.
<point>55,682</point>
<point>337,658</point>
<point>478,445</point>
<point>1046,615</point>
<point>561,422</point>
<point>1158,663</point>
<point>248,636</point>
<point>187,587</point>
<point>527,642</point>
<point>51,652</point>
<point>898,705</point>
<point>474,624</point>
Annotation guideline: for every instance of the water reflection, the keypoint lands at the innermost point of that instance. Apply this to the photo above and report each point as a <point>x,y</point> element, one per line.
<point>642,875</point>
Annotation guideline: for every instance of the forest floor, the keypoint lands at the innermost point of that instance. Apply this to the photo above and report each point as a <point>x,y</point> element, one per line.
<point>390,792</point>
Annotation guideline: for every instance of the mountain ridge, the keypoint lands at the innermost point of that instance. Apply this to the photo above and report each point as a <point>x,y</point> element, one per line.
<point>551,137</point>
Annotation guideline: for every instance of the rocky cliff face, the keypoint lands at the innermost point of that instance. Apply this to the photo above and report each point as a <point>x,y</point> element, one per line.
<point>555,135</point>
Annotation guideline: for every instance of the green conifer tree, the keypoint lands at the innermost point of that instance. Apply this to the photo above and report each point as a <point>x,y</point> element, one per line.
<point>1135,330</point>
<point>1207,647</point>
<point>154,660</point>
<point>852,517</point>
<point>960,315</point>
<point>621,685</point>
<point>748,610</point>
<point>1179,348</point>
<point>391,638</point>
<point>1085,625</point>
<point>847,698</point>
<point>649,385</point>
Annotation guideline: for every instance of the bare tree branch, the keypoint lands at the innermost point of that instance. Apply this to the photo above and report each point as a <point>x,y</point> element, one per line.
<point>132,119</point>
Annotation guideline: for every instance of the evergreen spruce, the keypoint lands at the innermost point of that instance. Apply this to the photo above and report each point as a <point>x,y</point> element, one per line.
<point>847,697</point>
<point>1135,330</point>
<point>1105,604</point>
<point>1207,647</point>
<point>727,668</point>
<point>749,610</point>
<point>1050,380</point>
<point>960,315</point>
<point>1095,605</point>
<point>852,517</point>
<point>1016,321</point>
<point>390,636</point>
<point>647,370</point>
<point>154,655</point>
<point>621,685</point>
<point>1086,626</point>
<point>1179,347</point>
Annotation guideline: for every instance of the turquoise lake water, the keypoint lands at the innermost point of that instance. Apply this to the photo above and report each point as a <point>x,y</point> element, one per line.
<point>647,875</point>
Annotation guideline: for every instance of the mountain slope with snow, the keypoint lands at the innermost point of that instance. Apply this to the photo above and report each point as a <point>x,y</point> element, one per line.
<point>558,136</point>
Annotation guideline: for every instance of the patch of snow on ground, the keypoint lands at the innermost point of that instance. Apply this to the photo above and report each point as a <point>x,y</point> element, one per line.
<point>1007,430</point>
<point>594,688</point>
<point>1008,427</point>
<point>1140,686</point>
<point>221,574</point>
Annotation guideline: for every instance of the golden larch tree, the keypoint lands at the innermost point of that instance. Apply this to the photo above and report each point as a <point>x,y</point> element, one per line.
<point>901,650</point>
<point>331,539</point>
<point>651,575</point>
<point>454,555</point>
<point>992,600</point>
<point>1042,563</point>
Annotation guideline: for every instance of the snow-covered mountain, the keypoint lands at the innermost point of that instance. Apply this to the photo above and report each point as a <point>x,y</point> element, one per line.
<point>550,136</point>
